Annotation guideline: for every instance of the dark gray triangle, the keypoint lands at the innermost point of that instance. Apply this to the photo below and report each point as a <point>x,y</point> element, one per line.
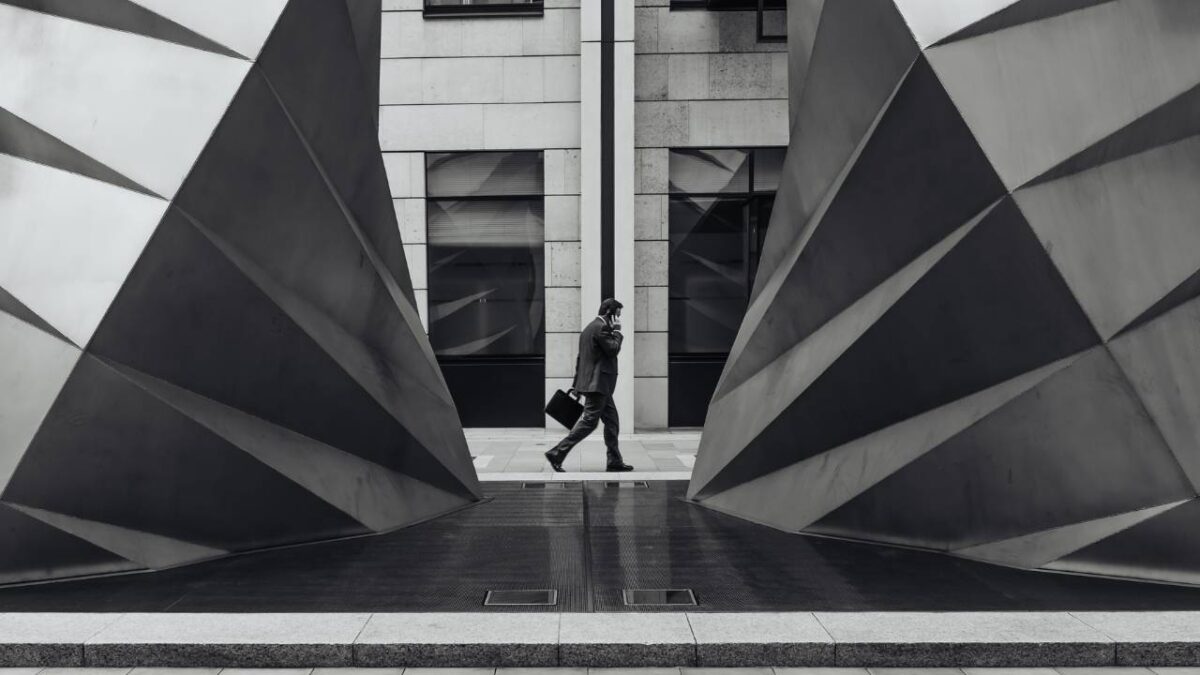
<point>1188,290</point>
<point>366,18</point>
<point>26,141</point>
<point>1174,120</point>
<point>10,305</point>
<point>126,16</point>
<point>1018,13</point>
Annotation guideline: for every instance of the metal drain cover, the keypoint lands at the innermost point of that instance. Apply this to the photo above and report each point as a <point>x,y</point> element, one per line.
<point>553,485</point>
<point>625,484</point>
<point>659,596</point>
<point>544,597</point>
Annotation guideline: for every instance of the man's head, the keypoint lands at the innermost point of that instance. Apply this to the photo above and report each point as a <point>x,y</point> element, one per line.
<point>610,307</point>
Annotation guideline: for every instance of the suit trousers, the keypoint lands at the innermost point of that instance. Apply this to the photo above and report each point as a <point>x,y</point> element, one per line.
<point>596,408</point>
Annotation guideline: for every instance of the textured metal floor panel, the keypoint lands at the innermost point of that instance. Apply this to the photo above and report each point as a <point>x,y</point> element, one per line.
<point>634,538</point>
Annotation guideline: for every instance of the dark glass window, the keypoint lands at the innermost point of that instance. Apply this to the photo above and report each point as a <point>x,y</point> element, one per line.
<point>485,215</point>
<point>720,205</point>
<point>449,8</point>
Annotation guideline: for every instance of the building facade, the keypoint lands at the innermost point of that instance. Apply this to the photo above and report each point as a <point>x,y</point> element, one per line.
<point>544,155</point>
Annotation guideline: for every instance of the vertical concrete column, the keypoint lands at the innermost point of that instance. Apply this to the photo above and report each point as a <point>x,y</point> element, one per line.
<point>607,170</point>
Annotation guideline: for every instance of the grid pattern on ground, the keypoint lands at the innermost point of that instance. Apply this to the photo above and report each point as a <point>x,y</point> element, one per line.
<point>590,542</point>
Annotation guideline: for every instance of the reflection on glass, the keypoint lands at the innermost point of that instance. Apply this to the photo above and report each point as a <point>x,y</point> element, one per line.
<point>483,174</point>
<point>707,171</point>
<point>717,232</point>
<point>485,252</point>
<point>708,272</point>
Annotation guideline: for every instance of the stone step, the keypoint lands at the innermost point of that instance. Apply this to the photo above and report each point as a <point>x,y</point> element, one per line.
<point>544,639</point>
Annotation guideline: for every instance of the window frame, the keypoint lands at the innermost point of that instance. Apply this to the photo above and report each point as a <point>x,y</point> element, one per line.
<point>508,9</point>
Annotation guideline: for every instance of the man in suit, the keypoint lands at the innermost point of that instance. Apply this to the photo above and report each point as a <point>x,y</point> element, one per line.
<point>596,378</point>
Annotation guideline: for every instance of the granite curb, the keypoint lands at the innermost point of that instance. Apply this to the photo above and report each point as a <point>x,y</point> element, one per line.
<point>898,639</point>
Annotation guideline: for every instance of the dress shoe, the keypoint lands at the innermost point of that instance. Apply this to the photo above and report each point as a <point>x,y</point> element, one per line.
<point>555,462</point>
<point>619,467</point>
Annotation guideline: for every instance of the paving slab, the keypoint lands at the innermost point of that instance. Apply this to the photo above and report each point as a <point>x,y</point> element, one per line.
<point>965,639</point>
<point>227,640</point>
<point>626,639</point>
<point>390,671</point>
<point>1150,638</point>
<point>1009,671</point>
<point>459,640</point>
<point>821,671</point>
<point>48,639</point>
<point>168,671</point>
<point>760,639</point>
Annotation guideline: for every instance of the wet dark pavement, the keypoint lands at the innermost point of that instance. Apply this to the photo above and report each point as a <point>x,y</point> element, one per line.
<point>590,542</point>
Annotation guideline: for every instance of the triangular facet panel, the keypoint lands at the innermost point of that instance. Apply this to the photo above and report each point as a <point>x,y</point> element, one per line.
<point>243,365</point>
<point>1003,368</point>
<point>123,15</point>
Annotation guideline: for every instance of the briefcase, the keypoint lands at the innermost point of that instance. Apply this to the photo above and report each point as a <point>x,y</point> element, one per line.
<point>564,408</point>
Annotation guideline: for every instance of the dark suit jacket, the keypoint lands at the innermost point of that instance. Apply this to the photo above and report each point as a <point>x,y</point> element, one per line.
<point>596,368</point>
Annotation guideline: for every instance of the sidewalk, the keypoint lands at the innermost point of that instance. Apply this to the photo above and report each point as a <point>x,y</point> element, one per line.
<point>908,639</point>
<point>517,454</point>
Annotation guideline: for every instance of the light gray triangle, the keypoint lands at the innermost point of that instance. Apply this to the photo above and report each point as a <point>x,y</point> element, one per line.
<point>1041,548</point>
<point>147,549</point>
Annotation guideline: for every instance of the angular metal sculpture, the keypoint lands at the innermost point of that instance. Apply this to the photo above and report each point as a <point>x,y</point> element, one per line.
<point>976,327</point>
<point>208,342</point>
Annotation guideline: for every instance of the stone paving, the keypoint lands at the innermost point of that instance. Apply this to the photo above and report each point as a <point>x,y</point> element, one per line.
<point>669,455</point>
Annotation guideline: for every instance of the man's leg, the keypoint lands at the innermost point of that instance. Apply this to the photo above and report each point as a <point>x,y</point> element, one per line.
<point>612,427</point>
<point>593,406</point>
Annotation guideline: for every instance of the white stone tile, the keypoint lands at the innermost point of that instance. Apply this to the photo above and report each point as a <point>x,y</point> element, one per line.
<point>820,671</point>
<point>650,354</point>
<point>415,256</point>
<point>656,312</point>
<point>473,80</point>
<point>561,81</point>
<point>555,32</point>
<point>562,217</point>
<point>410,215</point>
<point>779,73</point>
<point>459,628</point>
<point>689,32</point>
<point>517,126</point>
<point>492,36</point>
<point>406,5</point>
<point>650,217</point>
<point>407,34</point>
<point>733,76</point>
<point>724,123</point>
<point>266,671</point>
<point>633,671</point>
<point>523,79</point>
<point>650,263</point>
<point>405,173</point>
<point>571,168</point>
<point>554,171</point>
<point>645,30</point>
<point>650,402</point>
<point>561,350</point>
<point>562,310</point>
<point>650,77</point>
<point>966,627</point>
<point>431,127</point>
<point>561,4</point>
<point>757,627</point>
<point>625,628</point>
<point>400,81</point>
<point>562,263</point>
<point>641,307</point>
<point>687,76</point>
<point>422,297</point>
<point>650,170</point>
<point>661,124</point>
<point>1010,671</point>
<point>1145,626</point>
<point>51,628</point>
<point>35,671</point>
<point>652,3</point>
<point>194,629</point>
<point>87,671</point>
